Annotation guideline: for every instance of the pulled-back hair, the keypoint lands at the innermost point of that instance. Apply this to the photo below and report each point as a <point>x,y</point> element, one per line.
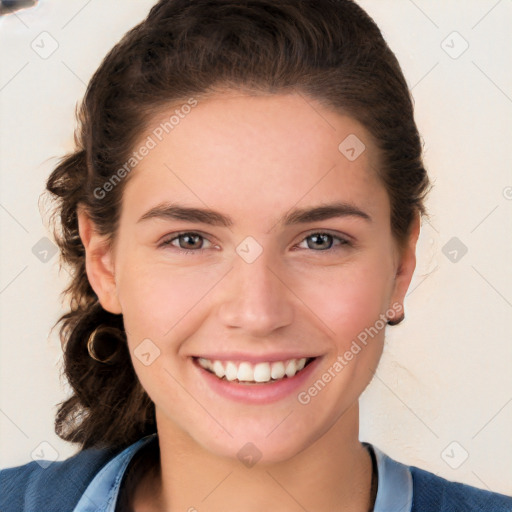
<point>327,50</point>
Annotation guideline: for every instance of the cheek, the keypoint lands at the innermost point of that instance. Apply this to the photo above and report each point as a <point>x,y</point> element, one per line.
<point>351,307</point>
<point>158,305</point>
<point>158,301</point>
<point>349,300</point>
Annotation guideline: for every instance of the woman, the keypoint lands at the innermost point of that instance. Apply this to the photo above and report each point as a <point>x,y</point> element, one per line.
<point>241,215</point>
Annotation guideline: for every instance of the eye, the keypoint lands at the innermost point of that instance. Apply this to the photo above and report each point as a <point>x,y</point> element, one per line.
<point>186,242</point>
<point>321,241</point>
<point>190,242</point>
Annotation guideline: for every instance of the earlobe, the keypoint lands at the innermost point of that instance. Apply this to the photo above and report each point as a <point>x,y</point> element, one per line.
<point>406,264</point>
<point>99,263</point>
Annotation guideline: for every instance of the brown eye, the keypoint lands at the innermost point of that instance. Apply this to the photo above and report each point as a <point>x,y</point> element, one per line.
<point>188,242</point>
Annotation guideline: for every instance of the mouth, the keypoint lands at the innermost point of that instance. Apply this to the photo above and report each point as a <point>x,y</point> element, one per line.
<point>245,372</point>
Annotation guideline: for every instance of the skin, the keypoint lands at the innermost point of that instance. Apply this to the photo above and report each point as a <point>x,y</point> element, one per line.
<point>264,155</point>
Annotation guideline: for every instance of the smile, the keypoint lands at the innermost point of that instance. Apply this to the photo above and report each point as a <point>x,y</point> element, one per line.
<point>246,372</point>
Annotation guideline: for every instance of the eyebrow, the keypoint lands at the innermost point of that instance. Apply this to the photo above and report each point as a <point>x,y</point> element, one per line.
<point>296,216</point>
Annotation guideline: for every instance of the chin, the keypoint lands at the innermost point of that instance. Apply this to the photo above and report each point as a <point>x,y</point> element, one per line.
<point>253,450</point>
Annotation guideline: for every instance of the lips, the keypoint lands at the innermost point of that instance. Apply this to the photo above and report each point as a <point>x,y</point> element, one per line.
<point>249,372</point>
<point>254,366</point>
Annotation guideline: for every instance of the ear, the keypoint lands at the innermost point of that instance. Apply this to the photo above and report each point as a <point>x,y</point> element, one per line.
<point>406,263</point>
<point>99,263</point>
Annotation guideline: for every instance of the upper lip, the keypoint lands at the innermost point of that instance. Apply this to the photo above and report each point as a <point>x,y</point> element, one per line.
<point>255,358</point>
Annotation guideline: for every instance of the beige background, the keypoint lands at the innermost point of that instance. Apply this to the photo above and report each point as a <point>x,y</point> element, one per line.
<point>443,391</point>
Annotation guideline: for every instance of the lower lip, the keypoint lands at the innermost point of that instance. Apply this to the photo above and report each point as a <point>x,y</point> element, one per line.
<point>258,393</point>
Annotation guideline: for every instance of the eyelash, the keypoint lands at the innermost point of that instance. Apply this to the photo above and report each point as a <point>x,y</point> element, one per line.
<point>343,242</point>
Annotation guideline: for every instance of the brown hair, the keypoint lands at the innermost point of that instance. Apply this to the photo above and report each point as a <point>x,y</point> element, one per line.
<point>329,50</point>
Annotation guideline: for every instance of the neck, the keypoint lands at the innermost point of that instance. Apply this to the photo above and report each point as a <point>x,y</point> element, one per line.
<point>333,473</point>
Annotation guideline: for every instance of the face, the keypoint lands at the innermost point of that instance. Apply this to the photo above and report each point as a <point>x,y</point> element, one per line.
<point>259,288</point>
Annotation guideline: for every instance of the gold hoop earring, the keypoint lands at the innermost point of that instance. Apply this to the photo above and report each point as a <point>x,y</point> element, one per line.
<point>91,350</point>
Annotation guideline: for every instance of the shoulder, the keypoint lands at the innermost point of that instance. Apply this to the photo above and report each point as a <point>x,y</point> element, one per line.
<point>434,493</point>
<point>56,486</point>
<point>411,489</point>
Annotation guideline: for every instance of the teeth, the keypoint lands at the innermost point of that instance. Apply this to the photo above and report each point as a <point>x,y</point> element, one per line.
<point>262,372</point>
<point>218,369</point>
<point>290,369</point>
<point>231,371</point>
<point>205,363</point>
<point>246,372</point>
<point>277,371</point>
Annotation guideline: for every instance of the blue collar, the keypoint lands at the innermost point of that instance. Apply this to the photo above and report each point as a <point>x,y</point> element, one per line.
<point>394,491</point>
<point>395,485</point>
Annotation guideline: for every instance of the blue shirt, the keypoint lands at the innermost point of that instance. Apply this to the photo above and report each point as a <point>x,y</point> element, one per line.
<point>91,480</point>
<point>394,492</point>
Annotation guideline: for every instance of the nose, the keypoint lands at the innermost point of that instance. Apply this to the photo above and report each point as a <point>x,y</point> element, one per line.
<point>255,297</point>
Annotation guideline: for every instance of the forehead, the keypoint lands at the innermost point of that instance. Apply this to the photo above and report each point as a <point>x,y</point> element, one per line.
<point>249,154</point>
